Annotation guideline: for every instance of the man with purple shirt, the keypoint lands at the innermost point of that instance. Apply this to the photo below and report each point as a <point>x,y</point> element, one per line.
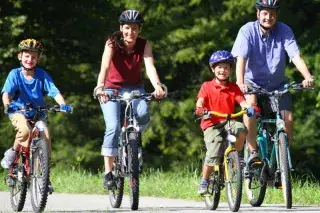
<point>260,49</point>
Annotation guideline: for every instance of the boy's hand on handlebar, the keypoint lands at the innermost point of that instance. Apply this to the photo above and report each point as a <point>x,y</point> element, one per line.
<point>253,110</point>
<point>308,82</point>
<point>10,108</point>
<point>66,108</point>
<point>200,111</point>
<point>250,111</point>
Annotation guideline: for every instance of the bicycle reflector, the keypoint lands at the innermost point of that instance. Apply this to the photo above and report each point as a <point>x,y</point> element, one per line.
<point>231,138</point>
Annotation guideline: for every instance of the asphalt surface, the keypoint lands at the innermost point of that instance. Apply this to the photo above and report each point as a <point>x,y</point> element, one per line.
<point>100,203</point>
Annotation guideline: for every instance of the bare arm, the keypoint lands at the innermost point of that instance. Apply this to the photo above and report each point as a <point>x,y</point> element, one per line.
<point>244,104</point>
<point>59,99</point>
<point>150,68</point>
<point>5,98</point>
<point>105,63</point>
<point>199,103</point>
<point>240,68</point>
<point>303,69</point>
<point>152,72</point>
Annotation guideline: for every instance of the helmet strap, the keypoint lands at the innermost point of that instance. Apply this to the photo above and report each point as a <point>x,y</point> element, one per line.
<point>27,69</point>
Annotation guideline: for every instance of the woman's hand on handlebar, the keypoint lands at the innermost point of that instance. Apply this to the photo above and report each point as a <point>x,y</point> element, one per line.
<point>160,91</point>
<point>102,96</point>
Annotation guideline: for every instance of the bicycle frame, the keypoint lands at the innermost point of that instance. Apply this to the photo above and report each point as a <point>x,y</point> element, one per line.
<point>26,151</point>
<point>129,125</point>
<point>263,139</point>
<point>217,180</point>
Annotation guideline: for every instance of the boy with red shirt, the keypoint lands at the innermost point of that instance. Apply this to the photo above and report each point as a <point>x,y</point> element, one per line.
<point>219,95</point>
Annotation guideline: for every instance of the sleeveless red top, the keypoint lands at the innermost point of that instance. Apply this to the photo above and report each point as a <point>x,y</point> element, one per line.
<point>125,69</point>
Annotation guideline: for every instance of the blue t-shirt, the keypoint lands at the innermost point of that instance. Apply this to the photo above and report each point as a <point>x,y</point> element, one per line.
<point>22,90</point>
<point>266,59</point>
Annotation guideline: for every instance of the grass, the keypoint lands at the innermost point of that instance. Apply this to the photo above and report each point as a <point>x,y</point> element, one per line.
<point>181,184</point>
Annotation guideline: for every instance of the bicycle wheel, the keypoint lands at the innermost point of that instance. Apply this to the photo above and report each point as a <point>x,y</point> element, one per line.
<point>133,163</point>
<point>116,194</point>
<point>255,184</point>
<point>18,185</point>
<point>233,179</point>
<point>39,175</point>
<point>213,197</point>
<point>285,170</point>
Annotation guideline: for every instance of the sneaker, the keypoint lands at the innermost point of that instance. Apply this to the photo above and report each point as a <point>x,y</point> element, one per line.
<point>50,188</point>
<point>109,181</point>
<point>254,157</point>
<point>203,187</point>
<point>8,159</point>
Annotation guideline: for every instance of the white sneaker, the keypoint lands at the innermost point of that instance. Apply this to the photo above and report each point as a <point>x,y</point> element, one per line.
<point>8,159</point>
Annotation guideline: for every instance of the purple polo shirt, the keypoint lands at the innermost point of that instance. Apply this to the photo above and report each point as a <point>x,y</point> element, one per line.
<point>266,59</point>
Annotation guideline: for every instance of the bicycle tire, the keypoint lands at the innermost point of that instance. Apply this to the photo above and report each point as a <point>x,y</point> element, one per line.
<point>40,176</point>
<point>116,194</point>
<point>133,163</point>
<point>213,198</point>
<point>256,185</point>
<point>234,175</point>
<point>18,188</point>
<point>285,170</point>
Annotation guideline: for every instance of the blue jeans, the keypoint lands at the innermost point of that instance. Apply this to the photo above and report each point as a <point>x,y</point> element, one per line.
<point>111,113</point>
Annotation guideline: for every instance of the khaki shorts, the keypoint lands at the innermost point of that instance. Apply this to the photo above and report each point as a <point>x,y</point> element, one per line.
<point>23,129</point>
<point>215,141</point>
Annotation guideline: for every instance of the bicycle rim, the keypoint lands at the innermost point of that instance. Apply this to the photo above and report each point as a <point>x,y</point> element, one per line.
<point>19,186</point>
<point>40,176</point>
<point>213,197</point>
<point>116,194</point>
<point>233,180</point>
<point>255,183</point>
<point>255,189</point>
<point>285,170</point>
<point>134,174</point>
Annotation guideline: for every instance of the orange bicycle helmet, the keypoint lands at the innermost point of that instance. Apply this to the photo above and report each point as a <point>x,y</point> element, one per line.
<point>31,45</point>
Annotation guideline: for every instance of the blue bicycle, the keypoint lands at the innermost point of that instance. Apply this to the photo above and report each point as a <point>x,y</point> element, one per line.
<point>273,144</point>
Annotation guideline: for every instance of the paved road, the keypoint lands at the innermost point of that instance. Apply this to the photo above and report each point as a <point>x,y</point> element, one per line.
<point>100,203</point>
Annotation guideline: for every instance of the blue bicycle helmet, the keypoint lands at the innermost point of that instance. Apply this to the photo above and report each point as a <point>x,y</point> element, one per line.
<point>221,56</point>
<point>268,4</point>
<point>131,16</point>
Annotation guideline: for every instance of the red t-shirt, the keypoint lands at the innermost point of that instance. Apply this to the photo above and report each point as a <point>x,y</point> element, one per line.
<point>125,69</point>
<point>219,98</point>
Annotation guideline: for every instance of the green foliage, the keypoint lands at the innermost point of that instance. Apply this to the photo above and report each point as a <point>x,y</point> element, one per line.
<point>183,34</point>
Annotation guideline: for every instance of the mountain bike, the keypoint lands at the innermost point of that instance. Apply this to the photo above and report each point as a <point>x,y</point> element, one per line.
<point>31,165</point>
<point>128,162</point>
<point>228,174</point>
<point>273,144</point>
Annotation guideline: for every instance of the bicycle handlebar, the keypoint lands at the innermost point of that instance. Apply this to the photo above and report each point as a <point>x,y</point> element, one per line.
<point>55,108</point>
<point>208,114</point>
<point>286,88</point>
<point>135,94</point>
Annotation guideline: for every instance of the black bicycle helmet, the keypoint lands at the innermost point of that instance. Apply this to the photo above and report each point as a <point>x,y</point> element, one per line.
<point>268,4</point>
<point>131,16</point>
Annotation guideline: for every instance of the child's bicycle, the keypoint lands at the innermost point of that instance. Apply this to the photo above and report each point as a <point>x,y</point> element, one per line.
<point>128,162</point>
<point>229,174</point>
<point>31,166</point>
<point>275,167</point>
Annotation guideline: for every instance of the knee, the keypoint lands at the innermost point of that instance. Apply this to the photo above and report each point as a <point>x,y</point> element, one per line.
<point>24,132</point>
